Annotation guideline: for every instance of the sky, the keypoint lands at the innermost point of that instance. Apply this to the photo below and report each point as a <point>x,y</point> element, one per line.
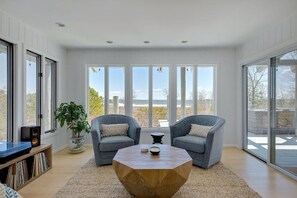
<point>3,70</point>
<point>140,82</point>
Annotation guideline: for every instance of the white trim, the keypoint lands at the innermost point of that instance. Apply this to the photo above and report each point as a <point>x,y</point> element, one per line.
<point>150,110</point>
<point>230,145</point>
<point>195,89</point>
<point>59,149</point>
<point>172,95</point>
<point>128,91</point>
<point>288,46</point>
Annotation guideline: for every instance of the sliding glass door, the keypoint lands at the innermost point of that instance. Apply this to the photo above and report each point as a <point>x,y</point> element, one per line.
<point>256,86</point>
<point>270,111</point>
<point>283,115</point>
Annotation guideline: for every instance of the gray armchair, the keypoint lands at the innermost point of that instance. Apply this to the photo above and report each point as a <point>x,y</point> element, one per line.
<point>105,148</point>
<point>205,152</point>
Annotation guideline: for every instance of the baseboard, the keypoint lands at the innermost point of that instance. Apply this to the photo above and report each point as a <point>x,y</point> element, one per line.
<point>59,149</point>
<point>230,145</point>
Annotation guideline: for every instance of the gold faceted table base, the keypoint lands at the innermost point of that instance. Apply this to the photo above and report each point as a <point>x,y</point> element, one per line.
<point>147,175</point>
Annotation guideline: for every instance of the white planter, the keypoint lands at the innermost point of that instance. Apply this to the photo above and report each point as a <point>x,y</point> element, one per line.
<point>76,144</point>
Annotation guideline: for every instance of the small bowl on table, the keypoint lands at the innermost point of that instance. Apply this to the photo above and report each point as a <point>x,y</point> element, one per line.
<point>155,150</point>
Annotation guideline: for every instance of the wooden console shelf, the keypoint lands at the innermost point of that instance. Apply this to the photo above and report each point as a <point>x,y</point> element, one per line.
<point>22,170</point>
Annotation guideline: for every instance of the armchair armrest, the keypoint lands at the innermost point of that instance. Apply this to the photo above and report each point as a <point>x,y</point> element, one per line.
<point>134,130</point>
<point>95,132</point>
<point>214,142</point>
<point>180,128</point>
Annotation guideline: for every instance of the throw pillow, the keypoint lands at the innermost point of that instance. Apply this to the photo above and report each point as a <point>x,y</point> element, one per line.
<point>114,129</point>
<point>6,191</point>
<point>199,130</point>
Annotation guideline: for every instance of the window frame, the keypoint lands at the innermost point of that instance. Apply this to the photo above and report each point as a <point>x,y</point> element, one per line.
<point>195,85</point>
<point>10,89</point>
<point>106,86</point>
<point>172,88</point>
<point>214,85</point>
<point>53,92</point>
<point>38,87</point>
<point>150,91</point>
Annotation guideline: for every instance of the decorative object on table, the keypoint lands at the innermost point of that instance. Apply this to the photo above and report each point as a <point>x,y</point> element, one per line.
<point>155,150</point>
<point>205,151</point>
<point>217,181</point>
<point>75,118</point>
<point>157,137</point>
<point>105,147</point>
<point>153,175</point>
<point>144,148</point>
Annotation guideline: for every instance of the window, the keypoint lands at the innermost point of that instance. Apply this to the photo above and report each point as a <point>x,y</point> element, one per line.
<point>50,87</point>
<point>116,88</point>
<point>184,91</point>
<point>160,91</point>
<point>195,96</point>
<point>147,97</point>
<point>205,90</point>
<point>140,109</point>
<point>106,93</point>
<point>32,94</point>
<point>96,97</point>
<point>150,95</point>
<point>5,91</point>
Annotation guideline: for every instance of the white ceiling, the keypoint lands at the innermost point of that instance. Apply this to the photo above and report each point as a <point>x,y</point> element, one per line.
<point>165,23</point>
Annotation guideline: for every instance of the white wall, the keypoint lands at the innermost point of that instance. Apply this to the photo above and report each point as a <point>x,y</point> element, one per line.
<point>271,40</point>
<point>224,58</point>
<point>24,37</point>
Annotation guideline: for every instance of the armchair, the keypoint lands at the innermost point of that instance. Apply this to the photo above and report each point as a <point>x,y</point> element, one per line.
<point>105,148</point>
<point>205,152</point>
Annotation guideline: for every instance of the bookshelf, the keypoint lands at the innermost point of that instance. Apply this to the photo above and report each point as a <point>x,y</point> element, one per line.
<point>24,169</point>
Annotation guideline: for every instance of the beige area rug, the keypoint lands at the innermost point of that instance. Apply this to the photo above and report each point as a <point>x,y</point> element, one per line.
<point>218,181</point>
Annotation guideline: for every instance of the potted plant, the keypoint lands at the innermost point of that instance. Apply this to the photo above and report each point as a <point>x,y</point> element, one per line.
<point>75,118</point>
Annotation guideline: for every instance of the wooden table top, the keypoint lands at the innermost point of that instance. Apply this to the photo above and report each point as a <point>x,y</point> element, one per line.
<point>168,158</point>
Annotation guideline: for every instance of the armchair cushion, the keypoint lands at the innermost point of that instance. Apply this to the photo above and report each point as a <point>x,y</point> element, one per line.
<point>114,129</point>
<point>191,143</point>
<point>114,143</point>
<point>199,130</point>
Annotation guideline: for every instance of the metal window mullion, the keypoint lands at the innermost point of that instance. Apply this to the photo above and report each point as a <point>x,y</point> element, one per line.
<point>150,96</point>
<point>39,90</point>
<point>106,87</point>
<point>271,114</point>
<point>54,93</point>
<point>10,90</point>
<point>195,89</point>
<point>245,106</point>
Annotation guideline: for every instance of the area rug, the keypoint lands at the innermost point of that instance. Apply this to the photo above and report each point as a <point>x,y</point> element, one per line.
<point>217,181</point>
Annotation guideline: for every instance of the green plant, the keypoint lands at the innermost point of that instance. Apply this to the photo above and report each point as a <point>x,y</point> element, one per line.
<point>74,116</point>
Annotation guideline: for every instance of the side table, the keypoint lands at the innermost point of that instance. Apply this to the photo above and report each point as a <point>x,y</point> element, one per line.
<point>157,137</point>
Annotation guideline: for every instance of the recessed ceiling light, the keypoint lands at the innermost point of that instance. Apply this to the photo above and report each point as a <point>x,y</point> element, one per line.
<point>184,41</point>
<point>146,42</point>
<point>110,42</point>
<point>60,24</point>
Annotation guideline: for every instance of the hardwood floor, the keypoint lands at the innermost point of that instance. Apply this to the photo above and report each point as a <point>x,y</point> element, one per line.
<point>263,179</point>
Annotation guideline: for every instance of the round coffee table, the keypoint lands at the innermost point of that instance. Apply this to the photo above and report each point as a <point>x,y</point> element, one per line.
<point>147,175</point>
<point>157,137</point>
